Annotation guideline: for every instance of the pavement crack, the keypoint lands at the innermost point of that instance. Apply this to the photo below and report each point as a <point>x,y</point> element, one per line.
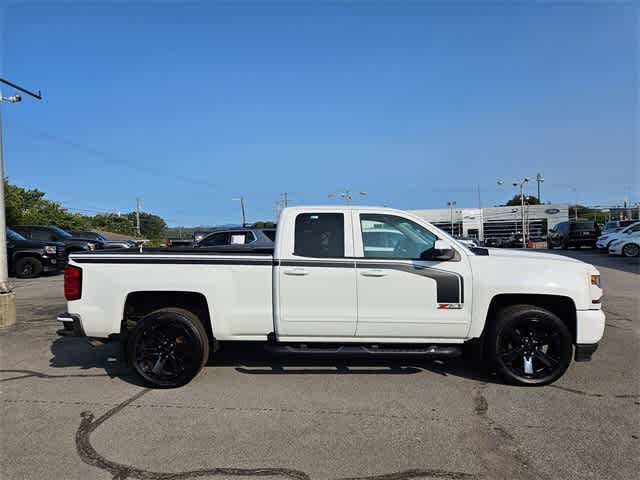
<point>497,448</point>
<point>576,391</point>
<point>88,454</point>
<point>35,374</point>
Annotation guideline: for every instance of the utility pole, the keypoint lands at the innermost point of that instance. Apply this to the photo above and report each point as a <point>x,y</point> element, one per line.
<point>7,297</point>
<point>285,199</point>
<point>346,196</point>
<point>539,179</point>
<point>138,217</point>
<point>244,216</point>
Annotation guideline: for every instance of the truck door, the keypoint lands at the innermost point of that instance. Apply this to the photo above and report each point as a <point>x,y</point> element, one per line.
<point>402,293</point>
<point>316,283</point>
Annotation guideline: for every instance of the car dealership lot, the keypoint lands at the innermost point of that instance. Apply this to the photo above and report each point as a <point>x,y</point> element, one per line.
<point>70,411</point>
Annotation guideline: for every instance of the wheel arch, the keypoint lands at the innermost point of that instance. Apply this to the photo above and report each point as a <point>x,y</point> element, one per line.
<point>140,303</point>
<point>562,306</point>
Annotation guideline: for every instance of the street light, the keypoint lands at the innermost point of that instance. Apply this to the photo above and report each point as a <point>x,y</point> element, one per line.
<point>540,180</point>
<point>244,216</point>
<point>451,204</point>
<point>7,305</point>
<point>346,196</point>
<point>520,185</point>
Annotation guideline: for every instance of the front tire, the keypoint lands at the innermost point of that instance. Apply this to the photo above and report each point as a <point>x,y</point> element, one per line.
<point>28,267</point>
<point>529,345</point>
<point>630,250</point>
<point>168,348</point>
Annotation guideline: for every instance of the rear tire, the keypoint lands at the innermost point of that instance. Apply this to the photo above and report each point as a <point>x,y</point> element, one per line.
<point>28,267</point>
<point>168,348</point>
<point>529,346</point>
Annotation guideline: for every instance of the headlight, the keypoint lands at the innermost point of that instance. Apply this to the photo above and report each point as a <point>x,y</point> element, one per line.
<point>50,249</point>
<point>92,246</point>
<point>595,280</point>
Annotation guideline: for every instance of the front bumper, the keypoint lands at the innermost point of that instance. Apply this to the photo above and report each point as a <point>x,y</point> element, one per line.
<point>583,352</point>
<point>54,263</point>
<point>72,322</point>
<point>615,249</point>
<point>589,326</point>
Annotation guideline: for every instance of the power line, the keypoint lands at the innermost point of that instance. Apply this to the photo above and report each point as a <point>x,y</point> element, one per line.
<point>108,158</point>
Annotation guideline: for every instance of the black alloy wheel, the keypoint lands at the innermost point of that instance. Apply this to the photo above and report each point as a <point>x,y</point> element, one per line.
<point>168,348</point>
<point>28,267</point>
<point>530,345</point>
<point>630,250</point>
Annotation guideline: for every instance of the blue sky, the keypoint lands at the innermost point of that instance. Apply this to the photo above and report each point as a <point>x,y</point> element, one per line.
<point>189,104</point>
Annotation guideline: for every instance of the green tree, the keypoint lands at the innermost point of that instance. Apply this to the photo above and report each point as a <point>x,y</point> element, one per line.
<point>30,207</point>
<point>24,206</point>
<point>151,226</point>
<point>517,200</point>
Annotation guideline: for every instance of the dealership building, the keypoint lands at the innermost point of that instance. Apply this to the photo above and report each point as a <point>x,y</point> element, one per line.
<point>496,222</point>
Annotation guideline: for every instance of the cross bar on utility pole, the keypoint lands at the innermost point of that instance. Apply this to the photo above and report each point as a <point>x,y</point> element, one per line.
<point>22,89</point>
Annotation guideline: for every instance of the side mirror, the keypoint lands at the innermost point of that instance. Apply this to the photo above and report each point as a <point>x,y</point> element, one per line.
<point>442,251</point>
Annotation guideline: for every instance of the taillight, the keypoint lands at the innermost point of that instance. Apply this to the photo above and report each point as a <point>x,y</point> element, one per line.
<point>72,283</point>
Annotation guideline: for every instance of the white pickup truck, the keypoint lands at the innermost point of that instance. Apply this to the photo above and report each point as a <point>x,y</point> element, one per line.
<point>340,280</point>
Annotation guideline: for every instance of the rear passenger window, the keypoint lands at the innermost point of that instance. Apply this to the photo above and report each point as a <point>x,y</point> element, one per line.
<point>319,235</point>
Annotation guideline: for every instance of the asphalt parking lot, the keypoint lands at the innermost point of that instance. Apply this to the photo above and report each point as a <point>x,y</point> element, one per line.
<point>73,411</point>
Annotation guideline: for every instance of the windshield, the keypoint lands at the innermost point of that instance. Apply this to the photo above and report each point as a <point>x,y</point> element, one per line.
<point>11,235</point>
<point>60,232</point>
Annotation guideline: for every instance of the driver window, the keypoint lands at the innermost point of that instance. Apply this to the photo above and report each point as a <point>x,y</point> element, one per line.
<point>390,236</point>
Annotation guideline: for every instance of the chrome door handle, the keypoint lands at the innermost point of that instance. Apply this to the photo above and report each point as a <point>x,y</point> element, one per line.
<point>373,273</point>
<point>296,271</point>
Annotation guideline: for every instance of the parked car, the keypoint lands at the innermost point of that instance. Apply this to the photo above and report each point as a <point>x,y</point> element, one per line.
<point>30,258</point>
<point>627,245</point>
<point>101,237</point>
<point>323,291</point>
<point>470,242</point>
<point>605,240</point>
<point>200,234</point>
<point>616,225</point>
<point>51,233</point>
<point>573,234</point>
<point>249,238</point>
<point>179,242</point>
<point>493,242</point>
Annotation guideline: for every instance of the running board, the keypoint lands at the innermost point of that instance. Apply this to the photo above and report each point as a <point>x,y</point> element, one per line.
<point>435,351</point>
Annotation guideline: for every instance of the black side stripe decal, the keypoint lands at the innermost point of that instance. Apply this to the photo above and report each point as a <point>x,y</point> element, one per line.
<point>449,285</point>
<point>174,261</point>
<point>316,263</point>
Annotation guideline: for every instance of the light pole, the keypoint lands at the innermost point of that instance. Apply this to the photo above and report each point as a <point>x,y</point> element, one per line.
<point>521,185</point>
<point>451,204</point>
<point>346,196</point>
<point>539,180</point>
<point>244,216</point>
<point>7,297</point>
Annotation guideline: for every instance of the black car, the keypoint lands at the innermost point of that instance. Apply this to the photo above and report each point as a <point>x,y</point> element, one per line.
<point>30,258</point>
<point>573,234</point>
<point>241,238</point>
<point>50,233</point>
<point>102,238</point>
